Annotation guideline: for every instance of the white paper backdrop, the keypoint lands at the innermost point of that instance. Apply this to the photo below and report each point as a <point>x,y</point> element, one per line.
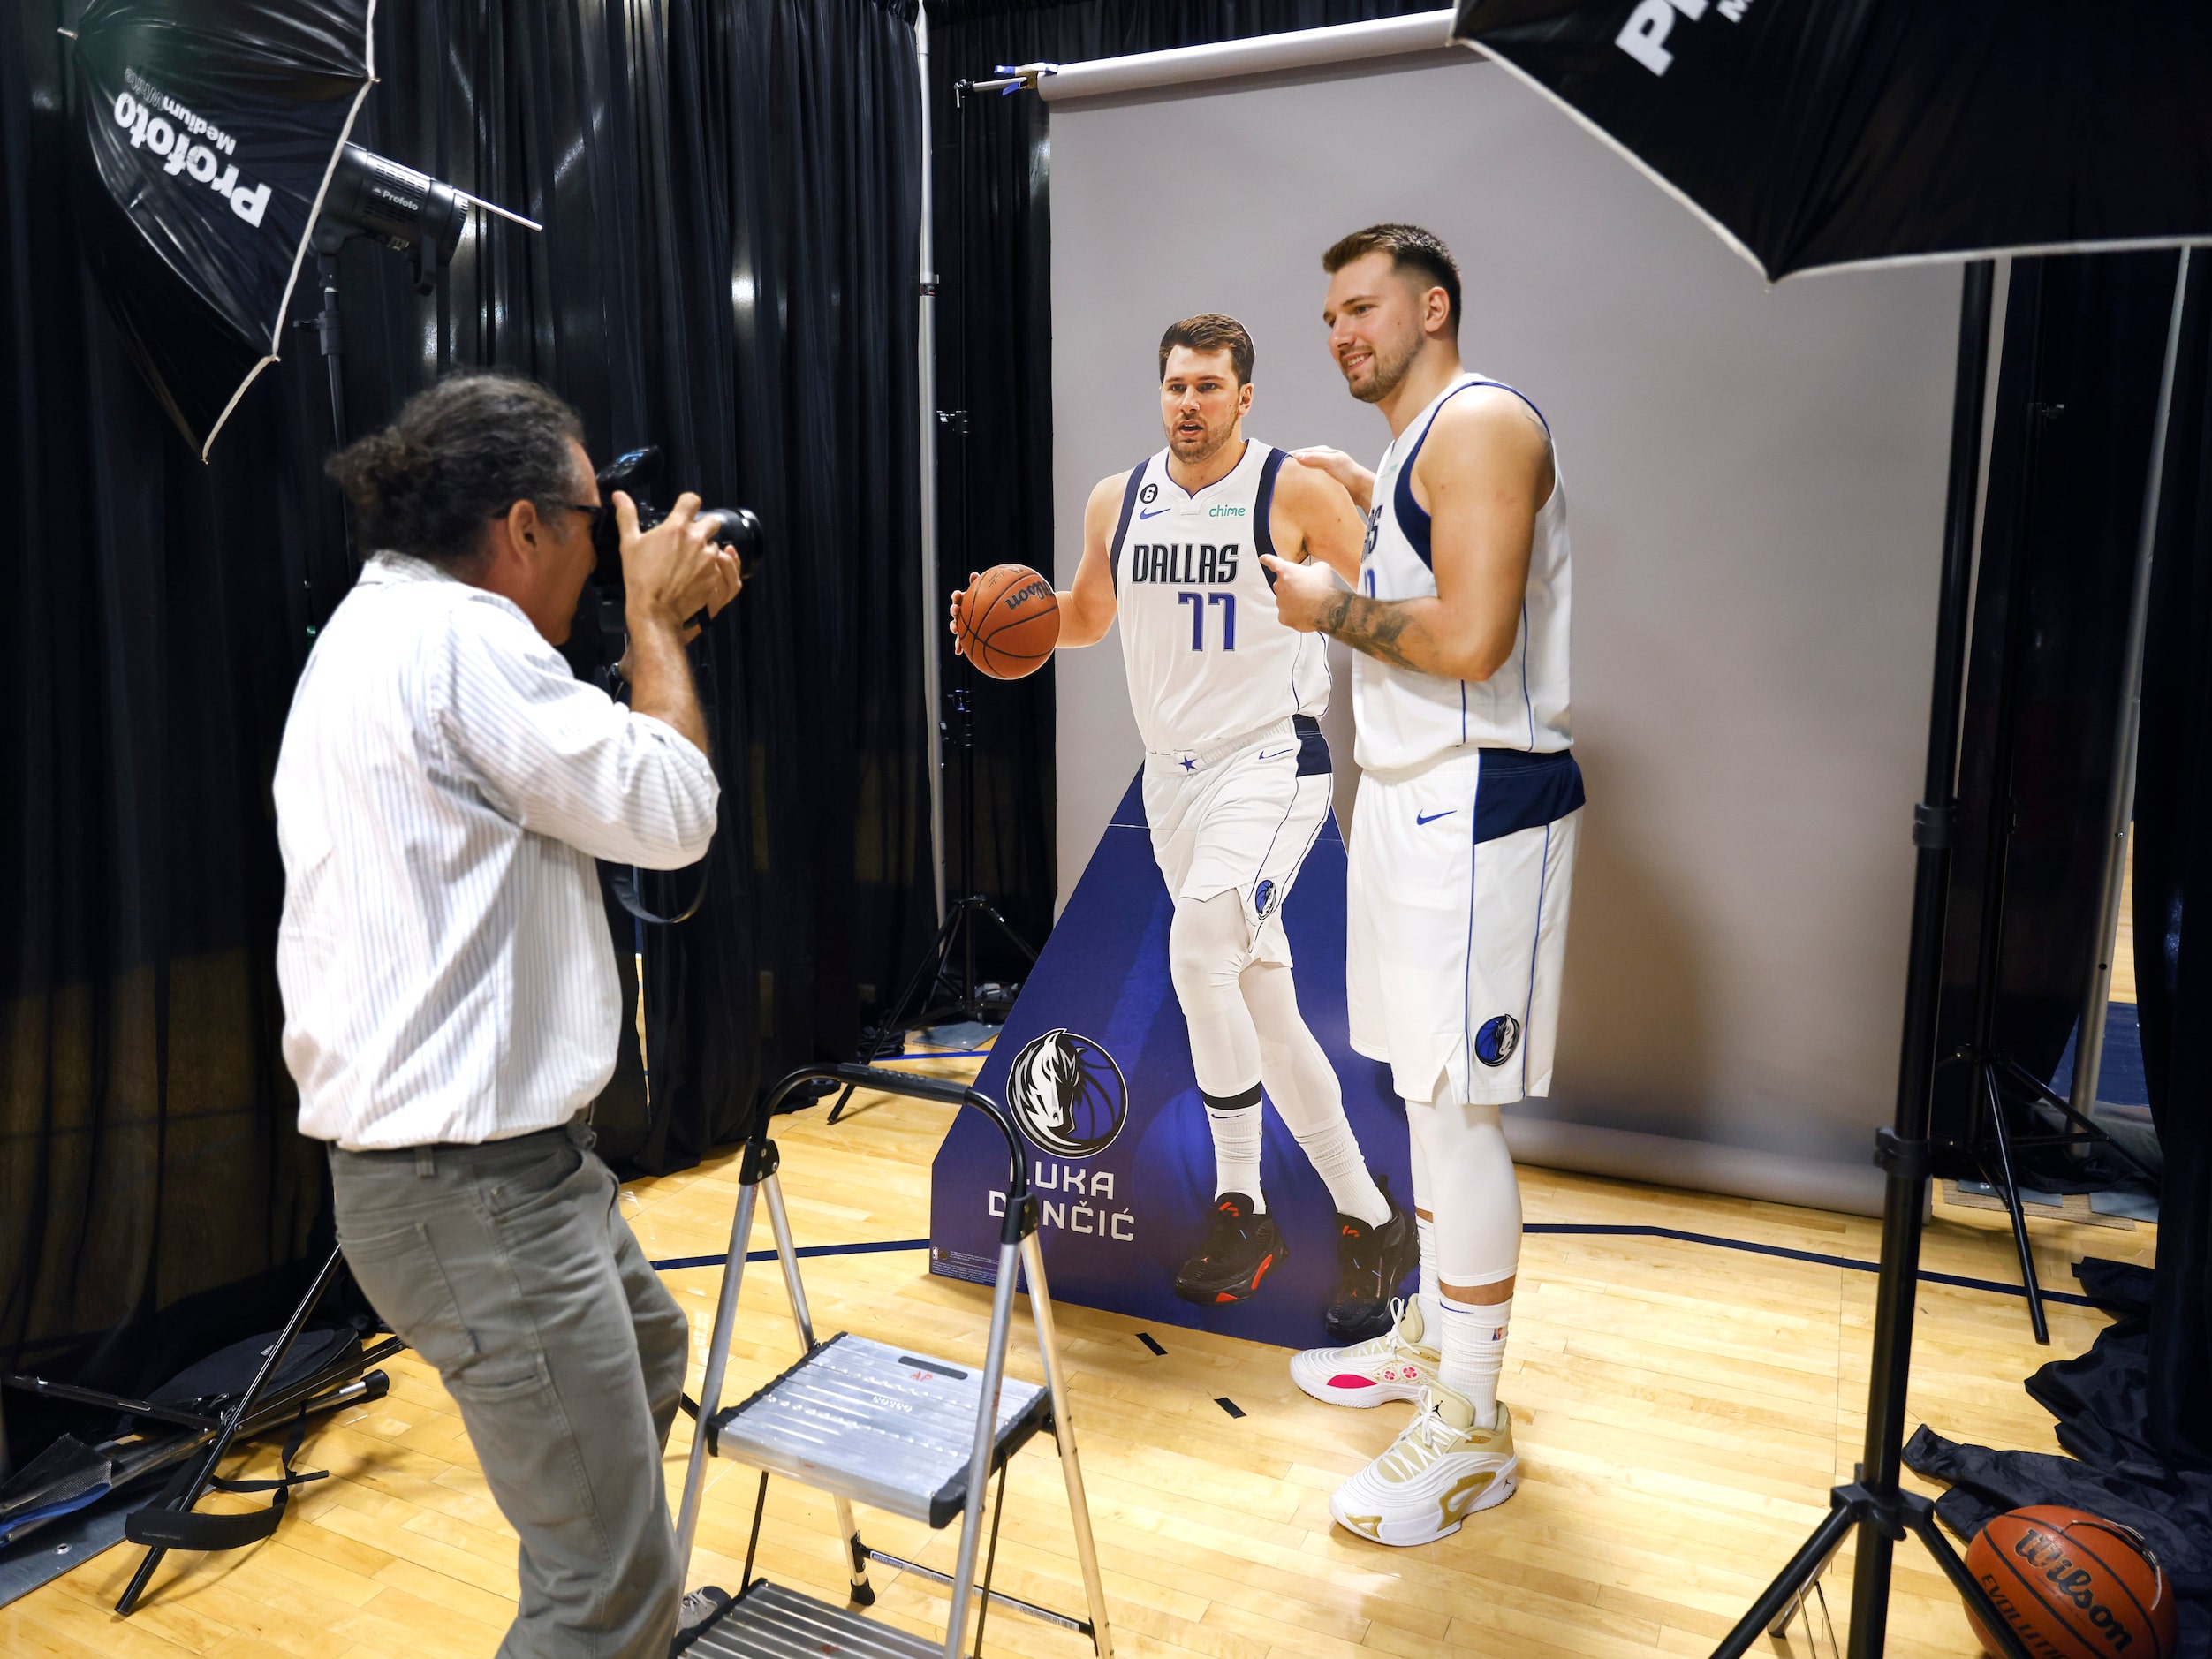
<point>1755,489</point>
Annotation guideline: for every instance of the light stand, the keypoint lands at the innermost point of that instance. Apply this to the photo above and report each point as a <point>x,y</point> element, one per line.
<point>943,987</point>
<point>1874,1501</point>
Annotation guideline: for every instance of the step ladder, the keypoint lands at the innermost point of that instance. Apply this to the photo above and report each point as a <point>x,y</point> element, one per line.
<point>871,1423</point>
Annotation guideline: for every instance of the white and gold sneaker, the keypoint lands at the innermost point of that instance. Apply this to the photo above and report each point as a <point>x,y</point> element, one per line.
<point>1439,1471</point>
<point>1391,1366</point>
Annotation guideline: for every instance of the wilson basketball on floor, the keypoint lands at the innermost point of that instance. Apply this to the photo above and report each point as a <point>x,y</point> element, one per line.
<point>2073,1585</point>
<point>1010,621</point>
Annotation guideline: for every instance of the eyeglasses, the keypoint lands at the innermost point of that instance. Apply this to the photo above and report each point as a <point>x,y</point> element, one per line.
<point>597,515</point>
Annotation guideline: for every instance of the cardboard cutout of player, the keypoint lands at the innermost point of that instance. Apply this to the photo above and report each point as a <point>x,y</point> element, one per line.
<point>1237,785</point>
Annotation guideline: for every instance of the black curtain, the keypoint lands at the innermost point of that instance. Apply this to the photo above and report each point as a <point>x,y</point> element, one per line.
<point>730,190</point>
<point>2070,441</point>
<point>991,178</point>
<point>2134,1414</point>
<point>2173,880</point>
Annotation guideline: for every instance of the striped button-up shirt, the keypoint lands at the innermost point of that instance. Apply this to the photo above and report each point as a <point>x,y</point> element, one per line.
<point>443,787</point>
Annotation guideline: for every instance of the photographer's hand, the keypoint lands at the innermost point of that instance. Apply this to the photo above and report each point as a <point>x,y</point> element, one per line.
<point>669,573</point>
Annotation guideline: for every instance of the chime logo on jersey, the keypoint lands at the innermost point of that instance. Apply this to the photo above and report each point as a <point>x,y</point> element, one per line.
<point>1495,1044</point>
<point>1067,1094</point>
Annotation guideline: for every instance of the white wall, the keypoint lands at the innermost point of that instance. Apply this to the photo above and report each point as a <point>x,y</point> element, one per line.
<point>1756,484</point>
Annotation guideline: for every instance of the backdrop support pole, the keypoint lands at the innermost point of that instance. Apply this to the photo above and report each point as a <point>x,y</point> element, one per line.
<point>1874,1501</point>
<point>925,348</point>
<point>2120,805</point>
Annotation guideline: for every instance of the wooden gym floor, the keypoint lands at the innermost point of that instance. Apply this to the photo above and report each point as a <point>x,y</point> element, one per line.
<point>1680,1409</point>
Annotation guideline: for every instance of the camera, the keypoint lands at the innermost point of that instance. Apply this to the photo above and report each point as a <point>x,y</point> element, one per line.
<point>634,474</point>
<point>602,630</point>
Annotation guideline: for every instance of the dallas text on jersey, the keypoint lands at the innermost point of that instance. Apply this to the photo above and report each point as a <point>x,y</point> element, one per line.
<point>1183,564</point>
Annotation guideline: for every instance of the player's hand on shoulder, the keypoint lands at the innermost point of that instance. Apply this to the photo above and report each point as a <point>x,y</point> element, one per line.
<point>1358,482</point>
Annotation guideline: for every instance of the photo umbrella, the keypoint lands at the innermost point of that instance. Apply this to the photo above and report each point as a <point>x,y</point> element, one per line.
<point>208,132</point>
<point>1817,137</point>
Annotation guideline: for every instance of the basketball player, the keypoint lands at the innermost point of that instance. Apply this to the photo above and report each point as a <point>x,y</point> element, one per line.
<point>1462,847</point>
<point>1237,785</point>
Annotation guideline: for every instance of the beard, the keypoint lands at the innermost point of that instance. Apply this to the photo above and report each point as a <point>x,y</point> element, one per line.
<point>1386,373</point>
<point>1192,451</point>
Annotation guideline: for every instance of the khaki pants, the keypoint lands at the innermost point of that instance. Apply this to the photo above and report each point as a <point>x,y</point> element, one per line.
<point>509,1267</point>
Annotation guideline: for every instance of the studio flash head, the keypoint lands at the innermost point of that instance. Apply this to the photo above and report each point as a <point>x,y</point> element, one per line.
<point>409,212</point>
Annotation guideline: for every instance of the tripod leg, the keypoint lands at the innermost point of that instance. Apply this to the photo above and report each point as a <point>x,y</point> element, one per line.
<point>1790,1585</point>
<point>1007,928</point>
<point>2012,1206</point>
<point>922,982</point>
<point>1920,1517</point>
<point>242,1409</point>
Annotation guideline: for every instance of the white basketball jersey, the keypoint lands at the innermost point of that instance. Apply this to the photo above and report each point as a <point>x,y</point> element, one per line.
<point>1208,657</point>
<point>1407,719</point>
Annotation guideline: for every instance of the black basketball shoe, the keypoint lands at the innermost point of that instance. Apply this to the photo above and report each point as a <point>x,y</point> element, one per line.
<point>1240,1250</point>
<point>1371,1262</point>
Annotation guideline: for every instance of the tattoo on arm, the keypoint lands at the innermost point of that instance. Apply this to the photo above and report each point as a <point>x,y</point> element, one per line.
<point>1376,626</point>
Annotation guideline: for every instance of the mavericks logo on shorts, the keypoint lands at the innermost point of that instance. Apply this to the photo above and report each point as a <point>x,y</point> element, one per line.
<point>1067,1094</point>
<point>1495,1044</point>
<point>1263,898</point>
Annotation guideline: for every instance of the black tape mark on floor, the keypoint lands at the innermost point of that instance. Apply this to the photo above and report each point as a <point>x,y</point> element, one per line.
<point>1144,1337</point>
<point>1956,1280</point>
<point>1228,1405</point>
<point>670,1264</point>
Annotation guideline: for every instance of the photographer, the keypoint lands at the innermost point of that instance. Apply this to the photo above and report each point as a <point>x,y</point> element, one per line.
<point>449,992</point>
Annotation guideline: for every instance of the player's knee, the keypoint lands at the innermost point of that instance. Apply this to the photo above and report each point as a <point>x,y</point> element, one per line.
<point>1204,950</point>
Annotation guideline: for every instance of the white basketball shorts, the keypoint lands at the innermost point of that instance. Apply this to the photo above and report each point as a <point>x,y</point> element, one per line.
<point>1460,876</point>
<point>1242,817</point>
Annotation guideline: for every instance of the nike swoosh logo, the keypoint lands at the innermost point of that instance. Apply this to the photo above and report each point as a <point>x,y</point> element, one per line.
<point>1155,512</point>
<point>1279,754</point>
<point>1432,817</point>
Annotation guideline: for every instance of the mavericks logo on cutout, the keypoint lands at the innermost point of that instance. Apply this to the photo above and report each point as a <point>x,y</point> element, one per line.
<point>1067,1094</point>
<point>1495,1044</point>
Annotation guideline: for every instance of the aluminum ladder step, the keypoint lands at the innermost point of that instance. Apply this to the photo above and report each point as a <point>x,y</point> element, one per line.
<point>880,1424</point>
<point>771,1621</point>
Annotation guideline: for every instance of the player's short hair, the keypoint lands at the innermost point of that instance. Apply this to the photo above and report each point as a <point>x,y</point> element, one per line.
<point>1210,331</point>
<point>1409,248</point>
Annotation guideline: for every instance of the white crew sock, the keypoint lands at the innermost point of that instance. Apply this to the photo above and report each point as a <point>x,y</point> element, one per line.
<point>1236,1152</point>
<point>1472,1350</point>
<point>1305,1089</point>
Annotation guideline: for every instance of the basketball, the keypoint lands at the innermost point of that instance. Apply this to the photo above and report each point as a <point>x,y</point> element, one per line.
<point>1010,621</point>
<point>2073,1587</point>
